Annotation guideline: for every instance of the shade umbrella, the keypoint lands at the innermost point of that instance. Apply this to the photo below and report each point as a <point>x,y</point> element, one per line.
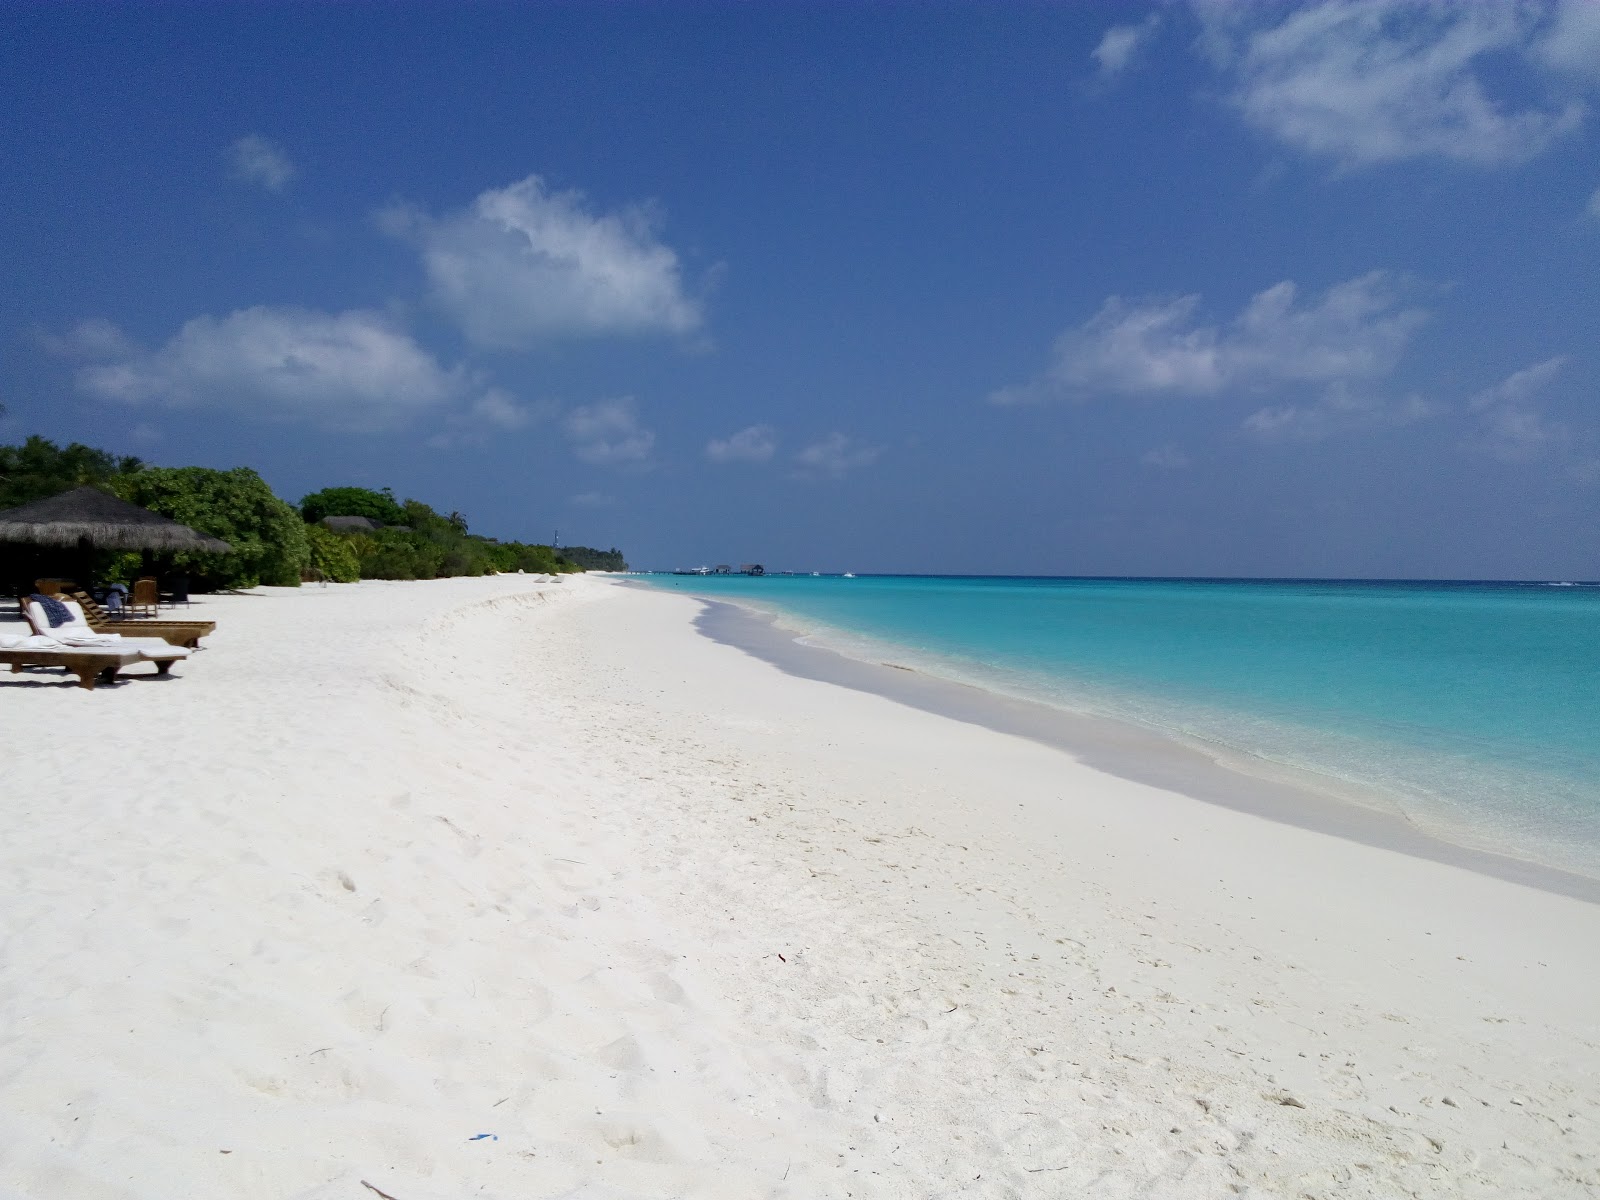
<point>88,518</point>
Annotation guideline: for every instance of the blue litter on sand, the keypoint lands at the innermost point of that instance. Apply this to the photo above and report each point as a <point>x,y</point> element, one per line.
<point>478,1137</point>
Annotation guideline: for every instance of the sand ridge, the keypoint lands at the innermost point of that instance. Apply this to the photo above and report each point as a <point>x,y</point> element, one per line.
<point>397,865</point>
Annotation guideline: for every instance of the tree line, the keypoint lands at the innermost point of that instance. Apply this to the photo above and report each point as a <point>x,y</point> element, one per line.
<point>273,542</point>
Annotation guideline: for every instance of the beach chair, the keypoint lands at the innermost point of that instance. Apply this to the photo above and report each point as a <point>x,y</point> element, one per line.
<point>146,596</point>
<point>90,666</point>
<point>178,633</point>
<point>53,587</point>
<point>76,635</point>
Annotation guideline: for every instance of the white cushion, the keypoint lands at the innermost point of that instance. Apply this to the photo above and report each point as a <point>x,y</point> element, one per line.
<point>161,650</point>
<point>41,622</point>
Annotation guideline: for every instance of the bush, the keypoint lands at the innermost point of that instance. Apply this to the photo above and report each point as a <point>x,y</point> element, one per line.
<point>332,555</point>
<point>267,535</point>
<point>352,502</point>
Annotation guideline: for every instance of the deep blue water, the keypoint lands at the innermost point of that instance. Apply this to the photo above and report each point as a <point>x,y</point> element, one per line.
<point>1471,708</point>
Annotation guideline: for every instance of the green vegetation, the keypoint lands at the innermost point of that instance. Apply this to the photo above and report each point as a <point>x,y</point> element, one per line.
<point>426,544</point>
<point>272,542</point>
<point>590,559</point>
<point>267,535</point>
<point>381,507</point>
<point>332,556</point>
<point>39,468</point>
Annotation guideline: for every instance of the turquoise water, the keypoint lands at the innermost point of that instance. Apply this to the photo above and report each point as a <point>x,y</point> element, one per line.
<point>1472,709</point>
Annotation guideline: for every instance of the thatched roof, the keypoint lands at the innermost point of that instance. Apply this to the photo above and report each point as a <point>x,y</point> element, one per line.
<point>106,523</point>
<point>351,524</point>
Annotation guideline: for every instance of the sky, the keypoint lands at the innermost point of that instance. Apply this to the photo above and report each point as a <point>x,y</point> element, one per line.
<point>1172,289</point>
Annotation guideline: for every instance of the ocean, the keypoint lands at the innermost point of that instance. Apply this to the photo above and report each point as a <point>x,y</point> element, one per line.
<point>1469,709</point>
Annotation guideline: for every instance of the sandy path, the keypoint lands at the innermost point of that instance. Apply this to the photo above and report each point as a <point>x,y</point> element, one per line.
<point>395,865</point>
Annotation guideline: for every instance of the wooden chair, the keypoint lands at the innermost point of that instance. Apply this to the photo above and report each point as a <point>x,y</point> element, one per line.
<point>146,596</point>
<point>53,587</point>
<point>89,663</point>
<point>178,633</point>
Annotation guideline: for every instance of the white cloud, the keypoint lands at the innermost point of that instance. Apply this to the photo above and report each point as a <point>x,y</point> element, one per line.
<point>1117,47</point>
<point>256,160</point>
<point>1362,82</point>
<point>1593,208</point>
<point>1520,386</point>
<point>1571,41</point>
<point>1515,434</point>
<point>757,443</point>
<point>1340,409</point>
<point>95,339</point>
<point>607,433</point>
<point>522,265</point>
<point>834,455</point>
<point>1168,457</point>
<point>592,500</point>
<point>352,370</point>
<point>1512,429</point>
<point>499,408</point>
<point>1355,330</point>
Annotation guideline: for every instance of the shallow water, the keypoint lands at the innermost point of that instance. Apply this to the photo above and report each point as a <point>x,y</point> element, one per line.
<point>1472,709</point>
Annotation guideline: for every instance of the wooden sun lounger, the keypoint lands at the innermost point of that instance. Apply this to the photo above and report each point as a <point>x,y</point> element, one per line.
<point>174,633</point>
<point>90,666</point>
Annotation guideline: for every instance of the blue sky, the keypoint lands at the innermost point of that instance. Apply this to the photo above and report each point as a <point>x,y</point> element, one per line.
<point>1058,289</point>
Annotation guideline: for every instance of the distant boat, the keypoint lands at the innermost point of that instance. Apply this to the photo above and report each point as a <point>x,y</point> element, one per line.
<point>849,574</point>
<point>816,574</point>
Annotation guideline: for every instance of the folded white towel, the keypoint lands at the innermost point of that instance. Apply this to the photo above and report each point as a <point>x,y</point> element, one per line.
<point>75,638</point>
<point>33,642</point>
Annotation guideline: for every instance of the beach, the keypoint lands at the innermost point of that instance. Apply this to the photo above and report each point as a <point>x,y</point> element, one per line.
<point>506,887</point>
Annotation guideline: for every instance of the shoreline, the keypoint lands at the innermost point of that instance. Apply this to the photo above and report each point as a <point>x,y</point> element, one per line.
<point>1122,749</point>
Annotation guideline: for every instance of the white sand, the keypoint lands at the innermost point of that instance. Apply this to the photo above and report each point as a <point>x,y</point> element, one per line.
<point>392,865</point>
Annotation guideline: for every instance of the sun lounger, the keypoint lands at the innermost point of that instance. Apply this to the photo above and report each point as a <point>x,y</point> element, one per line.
<point>91,665</point>
<point>77,634</point>
<point>179,633</point>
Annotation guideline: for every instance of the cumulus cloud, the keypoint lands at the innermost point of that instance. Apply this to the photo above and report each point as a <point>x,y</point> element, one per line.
<point>352,370</point>
<point>757,443</point>
<point>1118,46</point>
<point>1364,82</point>
<point>608,433</point>
<point>254,159</point>
<point>835,455</point>
<point>523,265</point>
<point>1168,457</point>
<point>1355,330</point>
<point>1340,409</point>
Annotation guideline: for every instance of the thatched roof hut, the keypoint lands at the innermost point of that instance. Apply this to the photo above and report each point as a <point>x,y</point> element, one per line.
<point>351,524</point>
<point>88,516</point>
